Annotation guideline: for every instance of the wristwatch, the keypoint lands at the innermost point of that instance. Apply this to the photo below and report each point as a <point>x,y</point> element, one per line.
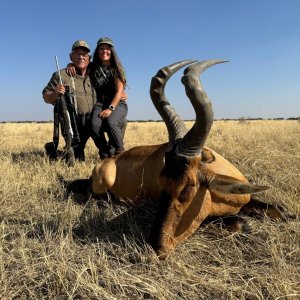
<point>111,107</point>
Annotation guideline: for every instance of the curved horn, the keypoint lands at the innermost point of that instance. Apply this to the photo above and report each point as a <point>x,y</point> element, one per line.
<point>176,127</point>
<point>194,140</point>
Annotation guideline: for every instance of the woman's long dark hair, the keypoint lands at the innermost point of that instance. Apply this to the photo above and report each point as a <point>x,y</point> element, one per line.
<point>115,62</point>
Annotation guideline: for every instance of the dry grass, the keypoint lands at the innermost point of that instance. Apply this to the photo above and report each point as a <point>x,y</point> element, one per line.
<point>51,247</point>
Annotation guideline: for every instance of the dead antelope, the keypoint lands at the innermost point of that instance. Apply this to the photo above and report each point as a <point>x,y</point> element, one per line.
<point>191,181</point>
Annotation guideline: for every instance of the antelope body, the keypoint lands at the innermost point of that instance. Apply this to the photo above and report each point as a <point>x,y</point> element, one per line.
<point>191,181</point>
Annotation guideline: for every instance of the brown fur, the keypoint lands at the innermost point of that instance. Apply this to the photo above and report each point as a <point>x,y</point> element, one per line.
<point>191,199</point>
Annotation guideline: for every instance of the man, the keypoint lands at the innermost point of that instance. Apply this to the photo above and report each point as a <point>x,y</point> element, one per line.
<point>84,95</point>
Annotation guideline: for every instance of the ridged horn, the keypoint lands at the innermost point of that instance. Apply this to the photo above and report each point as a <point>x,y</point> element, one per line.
<point>193,142</point>
<point>175,125</point>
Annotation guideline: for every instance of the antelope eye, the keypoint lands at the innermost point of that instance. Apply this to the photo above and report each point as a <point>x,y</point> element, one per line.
<point>185,193</point>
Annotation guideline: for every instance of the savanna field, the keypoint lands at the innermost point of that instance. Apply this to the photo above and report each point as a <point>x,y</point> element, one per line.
<point>53,245</point>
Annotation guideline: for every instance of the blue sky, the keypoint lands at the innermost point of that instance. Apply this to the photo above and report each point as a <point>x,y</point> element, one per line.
<point>260,38</point>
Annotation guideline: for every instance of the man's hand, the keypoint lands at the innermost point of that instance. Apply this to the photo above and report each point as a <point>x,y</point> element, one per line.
<point>51,96</point>
<point>60,89</point>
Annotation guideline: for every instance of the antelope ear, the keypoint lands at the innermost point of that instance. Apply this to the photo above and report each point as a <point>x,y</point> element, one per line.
<point>230,185</point>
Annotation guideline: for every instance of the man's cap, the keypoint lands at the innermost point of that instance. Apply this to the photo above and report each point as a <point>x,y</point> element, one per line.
<point>82,44</point>
<point>105,40</point>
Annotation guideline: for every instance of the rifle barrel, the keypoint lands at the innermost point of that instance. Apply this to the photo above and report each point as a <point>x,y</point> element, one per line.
<point>58,69</point>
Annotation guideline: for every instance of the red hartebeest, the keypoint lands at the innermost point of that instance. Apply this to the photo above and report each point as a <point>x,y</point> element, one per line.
<point>191,181</point>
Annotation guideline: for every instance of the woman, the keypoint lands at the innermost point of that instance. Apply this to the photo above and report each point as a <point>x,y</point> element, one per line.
<point>108,78</point>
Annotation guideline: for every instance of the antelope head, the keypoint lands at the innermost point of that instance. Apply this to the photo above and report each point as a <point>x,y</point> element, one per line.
<point>188,185</point>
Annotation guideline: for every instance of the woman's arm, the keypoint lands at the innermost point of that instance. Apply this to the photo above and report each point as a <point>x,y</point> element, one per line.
<point>115,101</point>
<point>119,93</point>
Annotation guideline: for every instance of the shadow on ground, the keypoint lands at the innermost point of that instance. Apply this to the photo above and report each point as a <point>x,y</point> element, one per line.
<point>22,156</point>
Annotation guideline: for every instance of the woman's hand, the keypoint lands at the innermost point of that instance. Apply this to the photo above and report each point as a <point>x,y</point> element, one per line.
<point>105,113</point>
<point>71,70</point>
<point>124,96</point>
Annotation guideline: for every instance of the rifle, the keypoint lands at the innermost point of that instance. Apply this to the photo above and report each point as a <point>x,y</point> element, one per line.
<point>69,134</point>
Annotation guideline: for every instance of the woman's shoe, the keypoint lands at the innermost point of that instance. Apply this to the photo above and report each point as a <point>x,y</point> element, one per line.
<point>103,155</point>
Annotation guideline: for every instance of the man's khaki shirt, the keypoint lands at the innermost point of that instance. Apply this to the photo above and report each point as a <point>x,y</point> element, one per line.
<point>85,95</point>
